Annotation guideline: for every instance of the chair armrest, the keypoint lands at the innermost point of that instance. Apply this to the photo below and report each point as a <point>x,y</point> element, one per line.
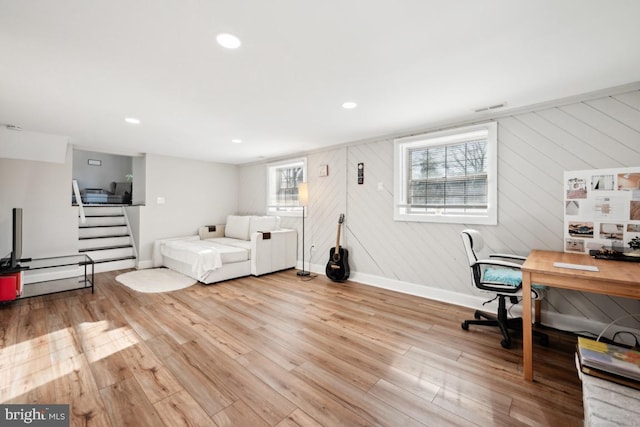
<point>498,263</point>
<point>509,256</point>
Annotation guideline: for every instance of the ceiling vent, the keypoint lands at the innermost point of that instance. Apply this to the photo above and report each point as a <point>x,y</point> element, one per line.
<point>490,108</point>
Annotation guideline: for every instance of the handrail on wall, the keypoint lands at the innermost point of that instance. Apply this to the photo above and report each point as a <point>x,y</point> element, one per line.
<point>76,192</point>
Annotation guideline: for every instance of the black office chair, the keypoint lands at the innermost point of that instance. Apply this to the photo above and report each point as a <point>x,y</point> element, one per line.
<point>501,275</point>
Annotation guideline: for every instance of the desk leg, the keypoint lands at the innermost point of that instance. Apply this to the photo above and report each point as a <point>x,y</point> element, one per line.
<point>527,334</point>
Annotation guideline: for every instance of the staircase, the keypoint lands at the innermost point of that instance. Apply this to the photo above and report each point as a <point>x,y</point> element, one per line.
<point>106,238</point>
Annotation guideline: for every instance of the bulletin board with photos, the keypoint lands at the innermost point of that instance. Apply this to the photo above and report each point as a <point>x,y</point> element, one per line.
<point>602,210</point>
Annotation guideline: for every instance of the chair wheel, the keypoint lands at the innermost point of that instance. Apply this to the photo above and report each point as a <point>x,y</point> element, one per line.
<point>476,315</point>
<point>465,326</point>
<point>505,343</point>
<point>544,341</point>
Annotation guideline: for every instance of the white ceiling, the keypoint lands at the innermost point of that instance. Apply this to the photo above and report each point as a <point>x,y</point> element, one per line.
<point>78,68</point>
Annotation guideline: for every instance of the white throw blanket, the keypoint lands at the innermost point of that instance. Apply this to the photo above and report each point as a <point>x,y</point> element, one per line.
<point>202,256</point>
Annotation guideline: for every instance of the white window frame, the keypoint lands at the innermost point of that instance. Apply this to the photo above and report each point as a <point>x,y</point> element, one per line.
<point>403,212</point>
<point>291,208</point>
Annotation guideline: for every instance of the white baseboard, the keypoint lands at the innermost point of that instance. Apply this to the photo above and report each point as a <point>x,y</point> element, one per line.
<point>555,320</point>
<point>142,265</point>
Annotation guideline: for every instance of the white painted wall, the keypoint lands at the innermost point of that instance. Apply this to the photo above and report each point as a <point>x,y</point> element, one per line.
<point>195,193</point>
<point>252,196</point>
<point>535,148</point>
<point>327,199</point>
<point>139,180</point>
<point>114,168</point>
<point>29,145</point>
<point>43,190</point>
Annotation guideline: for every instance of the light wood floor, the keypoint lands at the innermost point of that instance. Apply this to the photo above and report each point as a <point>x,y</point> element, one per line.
<point>275,351</point>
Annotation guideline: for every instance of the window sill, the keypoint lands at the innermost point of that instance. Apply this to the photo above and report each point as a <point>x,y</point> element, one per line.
<point>446,219</point>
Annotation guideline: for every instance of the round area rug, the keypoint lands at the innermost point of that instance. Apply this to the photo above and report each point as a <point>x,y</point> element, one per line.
<point>155,280</point>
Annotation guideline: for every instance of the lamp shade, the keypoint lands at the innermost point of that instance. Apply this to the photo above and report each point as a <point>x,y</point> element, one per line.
<point>303,194</point>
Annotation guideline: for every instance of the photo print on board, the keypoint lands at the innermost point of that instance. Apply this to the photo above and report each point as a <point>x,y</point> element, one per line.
<point>574,245</point>
<point>610,207</point>
<point>602,182</point>
<point>572,207</point>
<point>628,181</point>
<point>634,212</point>
<point>582,229</point>
<point>577,188</point>
<point>633,228</point>
<point>611,231</point>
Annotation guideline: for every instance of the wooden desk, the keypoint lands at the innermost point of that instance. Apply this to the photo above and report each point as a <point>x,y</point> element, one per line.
<point>615,278</point>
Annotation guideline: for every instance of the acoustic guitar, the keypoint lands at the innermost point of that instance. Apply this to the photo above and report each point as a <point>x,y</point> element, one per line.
<point>338,265</point>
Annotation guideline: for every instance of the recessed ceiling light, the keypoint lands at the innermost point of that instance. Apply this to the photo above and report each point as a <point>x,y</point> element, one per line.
<point>132,120</point>
<point>236,141</point>
<point>228,41</point>
<point>349,105</point>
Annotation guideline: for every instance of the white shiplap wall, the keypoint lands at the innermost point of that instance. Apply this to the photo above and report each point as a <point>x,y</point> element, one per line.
<point>535,148</point>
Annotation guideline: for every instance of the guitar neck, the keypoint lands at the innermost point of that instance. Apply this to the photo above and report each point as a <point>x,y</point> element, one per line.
<point>337,247</point>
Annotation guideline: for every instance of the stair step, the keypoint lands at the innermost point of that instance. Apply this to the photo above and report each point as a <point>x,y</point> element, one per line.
<point>104,248</point>
<point>89,244</point>
<point>95,222</point>
<point>106,236</point>
<point>106,230</point>
<point>101,226</point>
<point>94,232</point>
<point>106,253</point>
<point>103,208</point>
<point>118,264</point>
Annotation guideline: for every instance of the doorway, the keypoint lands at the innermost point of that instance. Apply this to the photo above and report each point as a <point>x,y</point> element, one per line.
<point>103,179</point>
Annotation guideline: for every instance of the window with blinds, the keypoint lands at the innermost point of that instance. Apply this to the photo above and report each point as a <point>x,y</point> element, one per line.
<point>447,176</point>
<point>282,186</point>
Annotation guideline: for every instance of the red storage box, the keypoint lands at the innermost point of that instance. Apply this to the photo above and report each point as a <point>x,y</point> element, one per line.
<point>9,286</point>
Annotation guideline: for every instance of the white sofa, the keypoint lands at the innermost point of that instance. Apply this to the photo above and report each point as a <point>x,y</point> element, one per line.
<point>245,245</point>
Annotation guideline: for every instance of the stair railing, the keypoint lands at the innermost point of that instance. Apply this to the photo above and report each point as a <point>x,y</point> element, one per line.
<point>133,241</point>
<point>76,192</point>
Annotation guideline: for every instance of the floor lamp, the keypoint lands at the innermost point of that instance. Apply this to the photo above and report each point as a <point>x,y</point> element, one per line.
<point>303,200</point>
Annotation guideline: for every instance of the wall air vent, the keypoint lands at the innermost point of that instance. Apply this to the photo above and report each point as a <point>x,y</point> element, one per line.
<point>490,108</point>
